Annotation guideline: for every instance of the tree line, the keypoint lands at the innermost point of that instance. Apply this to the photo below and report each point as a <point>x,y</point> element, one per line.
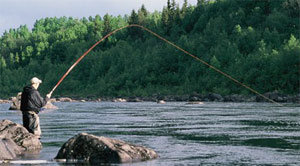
<point>256,42</point>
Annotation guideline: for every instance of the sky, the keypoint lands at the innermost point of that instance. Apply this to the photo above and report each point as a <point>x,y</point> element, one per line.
<point>14,13</point>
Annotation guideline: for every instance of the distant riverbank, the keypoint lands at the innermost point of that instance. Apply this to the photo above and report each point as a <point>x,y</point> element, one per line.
<point>282,98</point>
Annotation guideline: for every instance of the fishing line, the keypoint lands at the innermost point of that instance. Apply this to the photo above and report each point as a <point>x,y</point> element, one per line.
<point>170,43</point>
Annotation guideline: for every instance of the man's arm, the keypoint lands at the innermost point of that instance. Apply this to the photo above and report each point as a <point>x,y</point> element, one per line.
<point>40,101</point>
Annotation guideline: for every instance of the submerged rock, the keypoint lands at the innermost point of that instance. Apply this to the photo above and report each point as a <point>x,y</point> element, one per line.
<point>15,139</point>
<point>94,149</point>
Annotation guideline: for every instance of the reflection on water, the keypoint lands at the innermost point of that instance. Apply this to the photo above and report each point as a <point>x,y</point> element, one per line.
<point>182,134</point>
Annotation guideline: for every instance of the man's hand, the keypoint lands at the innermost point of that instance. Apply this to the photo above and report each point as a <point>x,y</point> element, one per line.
<point>48,95</point>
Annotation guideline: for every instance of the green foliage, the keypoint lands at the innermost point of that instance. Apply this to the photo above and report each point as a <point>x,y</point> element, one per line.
<point>256,42</point>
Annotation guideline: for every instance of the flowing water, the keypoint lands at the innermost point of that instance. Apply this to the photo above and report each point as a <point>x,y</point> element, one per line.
<point>182,134</point>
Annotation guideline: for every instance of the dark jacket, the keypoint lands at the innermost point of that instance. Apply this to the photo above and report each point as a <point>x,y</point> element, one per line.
<point>31,100</point>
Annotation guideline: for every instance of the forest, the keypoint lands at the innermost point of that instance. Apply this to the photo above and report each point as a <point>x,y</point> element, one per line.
<point>256,42</point>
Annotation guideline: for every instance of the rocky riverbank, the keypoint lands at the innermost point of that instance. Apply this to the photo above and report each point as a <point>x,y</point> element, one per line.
<point>3,101</point>
<point>195,97</point>
<point>211,97</point>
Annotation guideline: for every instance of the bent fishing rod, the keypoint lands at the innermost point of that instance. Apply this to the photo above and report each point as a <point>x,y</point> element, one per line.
<point>170,43</point>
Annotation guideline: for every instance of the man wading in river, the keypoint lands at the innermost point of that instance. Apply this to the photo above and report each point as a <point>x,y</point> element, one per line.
<point>31,104</point>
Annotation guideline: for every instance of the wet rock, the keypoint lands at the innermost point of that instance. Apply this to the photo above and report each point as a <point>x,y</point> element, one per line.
<point>4,101</point>
<point>134,99</point>
<point>16,102</point>
<point>276,96</point>
<point>19,135</point>
<point>53,100</point>
<point>181,98</point>
<point>9,149</point>
<point>213,97</point>
<point>149,98</point>
<point>119,100</point>
<point>161,102</point>
<point>293,99</point>
<point>94,149</point>
<point>195,97</point>
<point>15,105</point>
<point>64,99</point>
<point>235,98</point>
<point>49,105</point>
<point>251,99</point>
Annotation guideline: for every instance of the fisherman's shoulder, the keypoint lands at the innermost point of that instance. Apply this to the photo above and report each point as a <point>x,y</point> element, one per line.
<point>29,89</point>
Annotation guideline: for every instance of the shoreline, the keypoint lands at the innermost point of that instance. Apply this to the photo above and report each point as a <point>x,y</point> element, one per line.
<point>211,97</point>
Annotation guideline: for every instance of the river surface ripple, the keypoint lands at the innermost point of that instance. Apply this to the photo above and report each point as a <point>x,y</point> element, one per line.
<point>182,134</point>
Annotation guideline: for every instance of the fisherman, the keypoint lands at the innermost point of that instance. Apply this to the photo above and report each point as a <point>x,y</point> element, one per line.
<point>31,104</point>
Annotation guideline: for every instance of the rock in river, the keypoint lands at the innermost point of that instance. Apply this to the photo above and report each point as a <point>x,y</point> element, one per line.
<point>19,135</point>
<point>95,149</point>
<point>15,139</point>
<point>16,102</point>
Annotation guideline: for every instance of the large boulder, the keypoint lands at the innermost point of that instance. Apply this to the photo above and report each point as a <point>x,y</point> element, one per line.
<point>20,135</point>
<point>94,149</point>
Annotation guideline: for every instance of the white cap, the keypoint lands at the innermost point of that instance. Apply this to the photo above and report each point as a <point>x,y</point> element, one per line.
<point>35,80</point>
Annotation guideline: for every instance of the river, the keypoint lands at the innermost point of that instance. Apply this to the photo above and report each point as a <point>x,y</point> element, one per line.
<point>182,134</point>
